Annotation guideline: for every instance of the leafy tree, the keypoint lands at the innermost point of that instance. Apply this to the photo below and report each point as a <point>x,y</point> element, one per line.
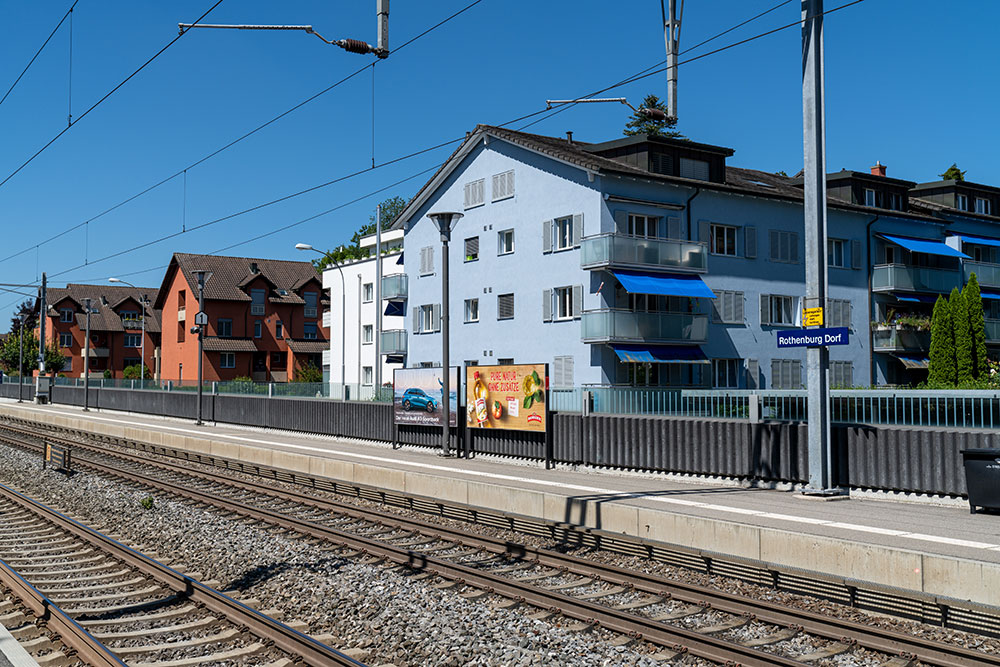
<point>133,373</point>
<point>942,369</point>
<point>308,372</point>
<point>641,124</point>
<point>10,350</point>
<point>977,325</point>
<point>953,173</point>
<point>31,317</point>
<point>963,336</point>
<point>391,208</point>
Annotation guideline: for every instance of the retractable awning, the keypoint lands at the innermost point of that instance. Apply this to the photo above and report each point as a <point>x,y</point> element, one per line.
<point>914,298</point>
<point>400,259</point>
<point>661,354</point>
<point>666,284</point>
<point>989,294</point>
<point>394,308</point>
<point>913,362</point>
<point>394,358</point>
<point>925,246</point>
<point>979,240</point>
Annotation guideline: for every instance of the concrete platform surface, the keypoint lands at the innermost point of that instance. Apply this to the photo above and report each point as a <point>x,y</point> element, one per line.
<point>935,548</point>
<point>13,654</point>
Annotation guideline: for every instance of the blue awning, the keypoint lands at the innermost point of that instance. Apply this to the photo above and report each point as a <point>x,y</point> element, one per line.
<point>661,354</point>
<point>667,284</point>
<point>913,362</point>
<point>989,294</point>
<point>394,358</point>
<point>979,240</point>
<point>394,308</point>
<point>915,298</point>
<point>925,246</point>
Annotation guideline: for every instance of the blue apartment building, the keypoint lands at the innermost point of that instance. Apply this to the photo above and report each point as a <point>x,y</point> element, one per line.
<point>647,261</point>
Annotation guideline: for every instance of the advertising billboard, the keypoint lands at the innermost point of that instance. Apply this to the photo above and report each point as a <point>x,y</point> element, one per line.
<point>417,396</point>
<point>506,397</point>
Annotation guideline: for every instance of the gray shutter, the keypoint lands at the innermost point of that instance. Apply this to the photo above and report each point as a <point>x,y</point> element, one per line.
<point>775,374</point>
<point>510,183</point>
<point>499,185</point>
<point>577,229</point>
<point>704,230</point>
<point>855,254</point>
<point>753,373</point>
<point>774,239</point>
<point>546,305</point>
<point>674,228</point>
<point>848,379</point>
<point>717,308</point>
<point>423,261</point>
<point>468,199</point>
<point>621,221</point>
<point>750,242</point>
<point>796,374</point>
<point>793,247</point>
<point>577,301</point>
<point>568,371</point>
<point>547,236</point>
<point>436,317</point>
<point>738,307</point>
<point>416,319</point>
<point>765,315</point>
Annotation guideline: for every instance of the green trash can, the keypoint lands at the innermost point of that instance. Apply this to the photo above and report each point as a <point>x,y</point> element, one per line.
<point>982,478</point>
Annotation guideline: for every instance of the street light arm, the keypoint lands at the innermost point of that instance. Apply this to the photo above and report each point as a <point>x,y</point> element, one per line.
<point>349,45</point>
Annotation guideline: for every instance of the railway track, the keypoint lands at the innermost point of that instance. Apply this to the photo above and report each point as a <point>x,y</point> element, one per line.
<point>678,617</point>
<point>114,606</point>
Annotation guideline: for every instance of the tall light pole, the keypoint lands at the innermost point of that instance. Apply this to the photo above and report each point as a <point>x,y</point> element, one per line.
<point>142,341</point>
<point>444,220</point>
<point>201,321</point>
<point>378,300</point>
<point>343,315</point>
<point>20,359</point>
<point>86,357</point>
<point>42,316</point>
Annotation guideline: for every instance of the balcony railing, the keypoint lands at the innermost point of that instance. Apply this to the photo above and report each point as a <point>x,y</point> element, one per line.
<point>393,341</point>
<point>987,274</point>
<point>901,340</point>
<point>889,277</point>
<point>613,249</point>
<point>309,312</point>
<point>602,326</point>
<point>131,323</point>
<point>394,287</point>
<point>326,319</point>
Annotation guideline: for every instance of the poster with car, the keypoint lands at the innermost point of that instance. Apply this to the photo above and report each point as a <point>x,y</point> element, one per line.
<point>506,397</point>
<point>418,396</point>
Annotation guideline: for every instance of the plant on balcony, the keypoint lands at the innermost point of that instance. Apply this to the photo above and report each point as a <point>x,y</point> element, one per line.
<point>942,371</point>
<point>977,324</point>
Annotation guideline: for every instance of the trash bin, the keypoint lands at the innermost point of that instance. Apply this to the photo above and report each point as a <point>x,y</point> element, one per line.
<point>982,477</point>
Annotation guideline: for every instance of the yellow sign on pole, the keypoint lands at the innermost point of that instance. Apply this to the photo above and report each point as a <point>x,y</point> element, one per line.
<point>812,317</point>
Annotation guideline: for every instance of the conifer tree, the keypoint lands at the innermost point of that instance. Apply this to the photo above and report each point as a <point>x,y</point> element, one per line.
<point>974,304</point>
<point>963,336</point>
<point>942,364</point>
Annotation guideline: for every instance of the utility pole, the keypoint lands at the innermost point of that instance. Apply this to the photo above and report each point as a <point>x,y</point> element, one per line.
<point>86,358</point>
<point>20,360</point>
<point>672,12</point>
<point>42,315</point>
<point>814,181</point>
<point>444,222</point>
<point>378,301</point>
<point>201,321</point>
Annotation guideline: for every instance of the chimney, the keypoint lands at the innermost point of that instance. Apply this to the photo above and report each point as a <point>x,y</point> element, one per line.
<point>253,268</point>
<point>569,136</point>
<point>878,169</point>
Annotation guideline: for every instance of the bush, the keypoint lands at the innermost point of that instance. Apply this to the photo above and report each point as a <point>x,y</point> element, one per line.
<point>133,372</point>
<point>308,373</point>
<point>107,373</point>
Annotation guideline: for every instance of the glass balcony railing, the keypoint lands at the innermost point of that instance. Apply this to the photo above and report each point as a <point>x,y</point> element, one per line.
<point>889,277</point>
<point>987,274</point>
<point>614,249</point>
<point>993,331</point>
<point>601,326</point>
<point>393,341</point>
<point>901,340</point>
<point>394,287</point>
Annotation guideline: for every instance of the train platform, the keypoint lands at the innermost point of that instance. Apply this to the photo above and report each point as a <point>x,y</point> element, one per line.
<point>935,547</point>
<point>13,654</point>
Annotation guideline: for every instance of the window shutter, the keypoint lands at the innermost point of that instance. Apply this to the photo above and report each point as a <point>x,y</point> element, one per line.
<point>472,246</point>
<point>750,241</point>
<point>577,301</point>
<point>547,236</point>
<point>621,221</point>
<point>568,371</point>
<point>738,307</point>
<point>546,305</point>
<point>436,317</point>
<point>717,308</point>
<point>499,186</point>
<point>848,375</point>
<point>704,231</point>
<point>793,250</point>
<point>775,374</point>
<point>480,190</point>
<point>855,254</point>
<point>765,315</point>
<point>577,229</point>
<point>416,319</point>
<point>468,197</point>
<point>753,371</point>
<point>796,374</point>
<point>674,228</point>
<point>510,183</point>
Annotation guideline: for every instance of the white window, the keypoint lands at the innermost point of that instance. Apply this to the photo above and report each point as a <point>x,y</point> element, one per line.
<point>895,201</point>
<point>128,315</point>
<point>503,185</point>
<point>66,315</point>
<point>505,240</point>
<point>869,197</point>
<point>961,202</point>
<point>257,301</point>
<point>472,310</point>
<point>723,240</point>
<point>784,246</point>
<point>562,371</point>
<point>366,375</point>
<point>727,373</point>
<point>837,313</point>
<point>428,318</point>
<point>564,233</point>
<point>65,339</point>
<point>133,340</point>
<point>694,169</point>
<point>643,225</point>
<point>777,309</point>
<point>786,374</point>
<point>505,306</point>
<point>841,375</point>
<point>564,303</point>
<point>475,193</point>
<point>367,333</point>
<point>836,253</point>
<point>227,360</point>
<point>472,249</point>
<point>309,331</point>
<point>367,292</point>
<point>427,260</point>
<point>728,307</point>
<point>982,206</point>
<point>311,299</point>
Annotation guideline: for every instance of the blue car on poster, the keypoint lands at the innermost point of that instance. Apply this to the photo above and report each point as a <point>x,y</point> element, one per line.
<point>418,399</point>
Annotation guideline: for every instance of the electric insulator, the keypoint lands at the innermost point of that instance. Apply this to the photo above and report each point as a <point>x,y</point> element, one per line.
<point>653,114</point>
<point>354,45</point>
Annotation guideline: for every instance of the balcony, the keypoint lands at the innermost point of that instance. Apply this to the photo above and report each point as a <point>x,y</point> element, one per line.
<point>621,250</point>
<point>987,274</point>
<point>326,319</point>
<point>891,277</point>
<point>131,323</point>
<point>896,339</point>
<point>181,314</point>
<point>394,287</point>
<point>608,326</point>
<point>393,341</point>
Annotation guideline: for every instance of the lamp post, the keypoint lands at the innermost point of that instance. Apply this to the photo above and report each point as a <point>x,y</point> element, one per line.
<point>86,357</point>
<point>142,341</point>
<point>200,321</point>
<point>444,221</point>
<point>20,359</point>
<point>343,315</point>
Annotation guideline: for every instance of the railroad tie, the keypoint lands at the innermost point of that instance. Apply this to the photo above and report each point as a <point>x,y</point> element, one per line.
<point>228,633</point>
<point>827,652</point>
<point>647,601</point>
<point>201,623</point>
<point>899,661</point>
<point>582,581</point>
<point>55,659</point>
<point>681,613</point>
<point>779,636</point>
<point>250,649</point>
<point>732,623</point>
<point>176,612</point>
<point>596,595</point>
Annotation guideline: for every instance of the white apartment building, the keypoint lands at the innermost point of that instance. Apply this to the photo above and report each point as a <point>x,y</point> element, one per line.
<point>355,303</point>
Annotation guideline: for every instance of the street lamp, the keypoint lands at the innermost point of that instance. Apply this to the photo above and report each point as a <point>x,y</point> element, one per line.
<point>142,342</point>
<point>20,358</point>
<point>445,220</point>
<point>200,322</point>
<point>86,357</point>
<point>343,314</point>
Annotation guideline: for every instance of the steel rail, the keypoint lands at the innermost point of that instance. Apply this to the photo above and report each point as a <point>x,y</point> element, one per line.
<point>283,637</point>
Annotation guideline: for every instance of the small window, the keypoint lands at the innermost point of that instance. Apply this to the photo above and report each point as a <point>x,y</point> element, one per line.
<point>279,330</point>
<point>366,375</point>
<point>258,329</point>
<point>367,334</point>
<point>505,361</point>
<point>472,310</point>
<point>841,374</point>
<point>890,254</point>
<point>503,185</point>
<point>227,360</point>
<point>427,260</point>
<point>279,361</point>
<point>962,202</point>
<point>65,340</point>
<point>837,313</point>
<point>777,309</point>
<point>643,225</point>
<point>309,331</point>
<point>257,297</point>
<point>66,315</point>
<point>133,340</point>
<point>869,197</point>
<point>505,306</point>
<point>224,328</point>
<point>367,292</point>
<point>895,201</point>
<point>564,303</point>
<point>472,249</point>
<point>727,373</point>
<point>564,233</point>
<point>475,193</point>
<point>428,322</point>
<point>982,206</point>
<point>728,307</point>
<point>784,246</point>
<point>506,242</point>
<point>128,315</point>
<point>786,374</point>
<point>724,240</point>
<point>694,169</point>
<point>836,253</point>
<point>311,302</point>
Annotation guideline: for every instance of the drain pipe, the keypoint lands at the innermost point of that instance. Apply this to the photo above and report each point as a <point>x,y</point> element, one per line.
<point>687,209</point>
<point>871,334</point>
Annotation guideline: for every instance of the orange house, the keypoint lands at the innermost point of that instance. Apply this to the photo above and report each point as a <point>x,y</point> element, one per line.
<point>264,318</point>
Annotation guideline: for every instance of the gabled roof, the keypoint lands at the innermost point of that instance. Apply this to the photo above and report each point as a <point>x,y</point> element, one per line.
<point>943,209</point>
<point>106,300</point>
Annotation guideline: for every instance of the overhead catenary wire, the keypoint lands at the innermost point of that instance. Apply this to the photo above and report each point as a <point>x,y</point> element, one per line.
<point>38,52</point>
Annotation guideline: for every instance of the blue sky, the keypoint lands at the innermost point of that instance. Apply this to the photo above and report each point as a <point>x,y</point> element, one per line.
<point>911,84</point>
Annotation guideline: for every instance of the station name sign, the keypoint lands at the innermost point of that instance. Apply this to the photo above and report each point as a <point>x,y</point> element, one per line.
<point>813,337</point>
